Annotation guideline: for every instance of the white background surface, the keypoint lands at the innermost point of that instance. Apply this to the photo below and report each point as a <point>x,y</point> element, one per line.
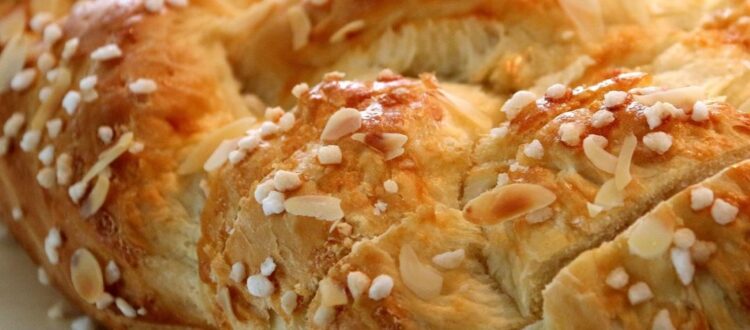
<point>23,300</point>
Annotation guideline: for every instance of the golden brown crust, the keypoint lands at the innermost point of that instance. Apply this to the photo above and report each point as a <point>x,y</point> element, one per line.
<point>716,297</point>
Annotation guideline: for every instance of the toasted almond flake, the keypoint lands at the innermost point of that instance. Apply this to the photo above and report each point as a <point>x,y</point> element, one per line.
<point>390,144</point>
<point>450,259</point>
<point>300,25</point>
<point>662,321</point>
<point>357,282</point>
<point>96,198</point>
<point>198,156</point>
<point>343,122</point>
<point>344,31</point>
<point>624,159</point>
<point>682,97</point>
<point>86,275</point>
<point>639,292</point>
<point>594,209</point>
<point>106,53</point>
<point>617,278</point>
<point>289,302</point>
<point>651,236</point>
<point>320,207</point>
<point>423,280</point>
<point>220,156</point>
<point>108,156</point>
<point>507,202</point>
<point>540,215</point>
<point>52,103</point>
<point>323,316</point>
<point>381,287</point>
<point>12,60</point>
<point>517,103</point>
<point>608,195</point>
<point>723,212</point>
<point>331,294</point>
<point>587,18</point>
<point>593,148</point>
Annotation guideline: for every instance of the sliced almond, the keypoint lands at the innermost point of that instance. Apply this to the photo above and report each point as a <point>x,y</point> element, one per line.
<point>12,60</point>
<point>608,196</point>
<point>622,170</point>
<point>342,123</point>
<point>52,102</point>
<point>507,202</point>
<point>651,236</point>
<point>683,97</point>
<point>108,156</point>
<point>198,156</point>
<point>320,207</point>
<point>593,148</point>
<point>390,144</point>
<point>331,294</point>
<point>300,25</point>
<point>86,275</point>
<point>425,281</point>
<point>96,198</point>
<point>220,155</point>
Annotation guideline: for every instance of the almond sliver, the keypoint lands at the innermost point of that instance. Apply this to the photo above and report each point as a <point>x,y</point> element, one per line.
<point>423,280</point>
<point>319,207</point>
<point>593,148</point>
<point>86,275</point>
<point>343,122</point>
<point>507,202</point>
<point>622,171</point>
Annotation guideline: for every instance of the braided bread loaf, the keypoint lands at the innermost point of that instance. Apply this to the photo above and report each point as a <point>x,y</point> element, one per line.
<point>381,164</point>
